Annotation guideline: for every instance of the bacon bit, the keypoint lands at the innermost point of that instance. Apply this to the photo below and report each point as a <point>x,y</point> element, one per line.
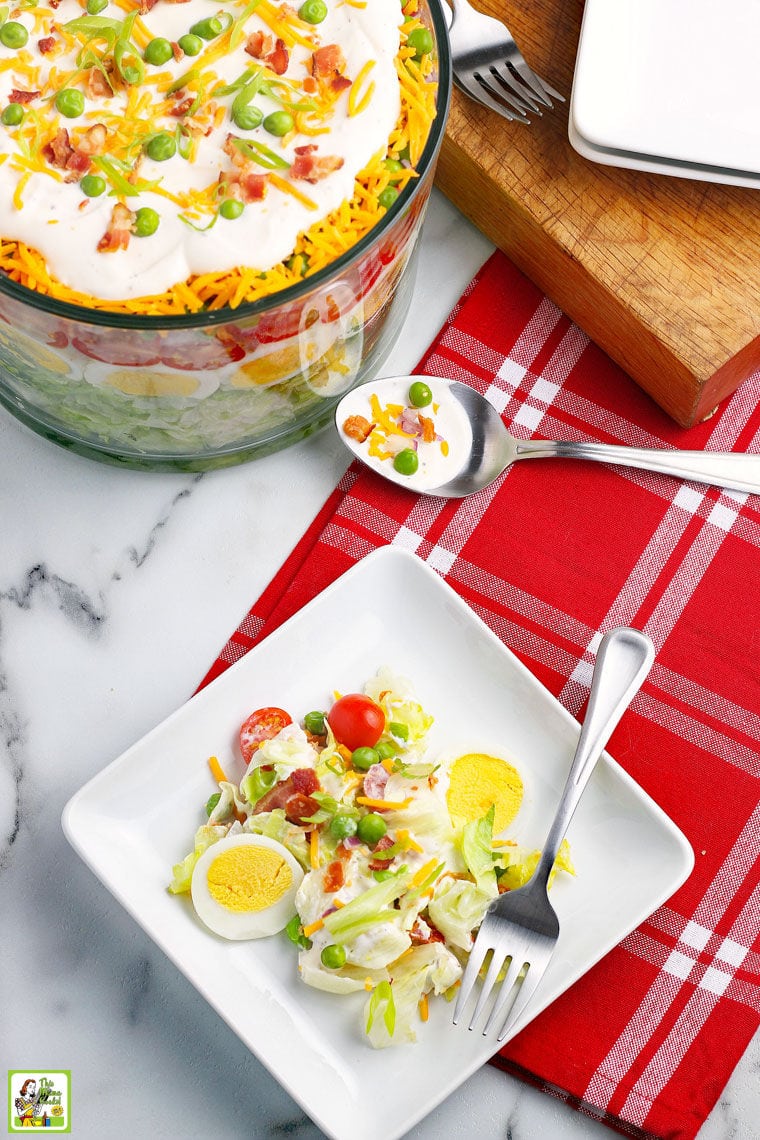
<point>253,187</point>
<point>94,139</point>
<point>313,168</point>
<point>60,153</point>
<point>424,932</point>
<point>17,96</point>
<point>177,51</point>
<point>146,5</point>
<point>100,84</point>
<point>328,61</point>
<point>182,108</point>
<point>294,795</point>
<point>377,863</point>
<point>333,879</point>
<point>358,428</point>
<point>46,44</point>
<point>54,3</point>
<point>119,230</point>
<point>340,82</point>
<point>259,44</point>
<point>278,59</point>
<point>428,428</point>
<point>309,84</point>
<point>245,183</point>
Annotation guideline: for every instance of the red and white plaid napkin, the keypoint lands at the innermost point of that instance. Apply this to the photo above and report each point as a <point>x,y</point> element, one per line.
<point>550,557</point>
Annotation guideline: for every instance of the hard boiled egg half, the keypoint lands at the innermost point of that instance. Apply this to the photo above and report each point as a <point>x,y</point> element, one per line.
<point>244,886</point>
<point>476,781</point>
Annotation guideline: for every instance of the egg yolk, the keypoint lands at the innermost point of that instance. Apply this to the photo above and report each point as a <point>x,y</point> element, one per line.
<point>248,878</point>
<point>476,781</point>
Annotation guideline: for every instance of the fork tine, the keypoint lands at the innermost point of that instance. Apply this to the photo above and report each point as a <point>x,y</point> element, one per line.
<point>470,976</point>
<point>507,989</point>
<point>537,85</point>
<point>524,994</point>
<point>497,962</point>
<point>513,91</point>
<point>482,94</point>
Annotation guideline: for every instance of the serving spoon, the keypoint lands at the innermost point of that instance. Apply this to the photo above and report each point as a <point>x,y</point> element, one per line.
<point>493,449</point>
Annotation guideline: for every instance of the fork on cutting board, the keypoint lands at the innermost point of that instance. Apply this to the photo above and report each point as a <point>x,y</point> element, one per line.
<point>489,67</point>
<point>520,929</point>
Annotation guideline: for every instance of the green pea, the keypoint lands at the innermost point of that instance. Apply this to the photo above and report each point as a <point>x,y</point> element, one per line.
<point>207,29</point>
<point>363,758</point>
<point>69,102</point>
<point>342,826</point>
<point>190,44</point>
<point>313,11</point>
<point>231,209</point>
<point>314,722</point>
<point>158,52</point>
<point>161,147</point>
<point>96,6</point>
<point>421,40</point>
<point>371,828</point>
<point>146,222</point>
<point>279,123</point>
<point>419,394</point>
<point>13,34</point>
<point>387,197</point>
<point>394,166</point>
<point>212,801</point>
<point>406,462</point>
<point>333,957</point>
<point>386,749</point>
<point>92,185</point>
<point>12,114</point>
<point>247,118</point>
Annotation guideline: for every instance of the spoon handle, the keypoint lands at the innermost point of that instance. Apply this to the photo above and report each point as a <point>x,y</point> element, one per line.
<point>734,470</point>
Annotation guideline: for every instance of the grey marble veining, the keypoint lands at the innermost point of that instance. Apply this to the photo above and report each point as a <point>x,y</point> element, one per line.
<point>117,589</point>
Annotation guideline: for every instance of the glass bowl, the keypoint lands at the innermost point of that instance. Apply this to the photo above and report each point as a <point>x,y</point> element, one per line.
<point>210,390</point>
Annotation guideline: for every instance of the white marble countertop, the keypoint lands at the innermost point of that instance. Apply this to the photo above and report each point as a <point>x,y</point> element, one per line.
<point>117,589</point>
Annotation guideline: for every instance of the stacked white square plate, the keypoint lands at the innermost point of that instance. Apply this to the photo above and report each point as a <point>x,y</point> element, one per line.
<point>671,87</point>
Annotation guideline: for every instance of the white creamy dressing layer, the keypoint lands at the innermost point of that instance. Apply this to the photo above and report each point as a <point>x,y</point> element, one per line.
<point>65,226</point>
<point>437,464</point>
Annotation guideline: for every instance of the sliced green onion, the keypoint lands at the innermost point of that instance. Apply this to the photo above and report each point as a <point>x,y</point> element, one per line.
<point>261,154</point>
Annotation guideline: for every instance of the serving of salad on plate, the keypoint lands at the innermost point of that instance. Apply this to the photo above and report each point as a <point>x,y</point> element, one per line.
<point>375,858</point>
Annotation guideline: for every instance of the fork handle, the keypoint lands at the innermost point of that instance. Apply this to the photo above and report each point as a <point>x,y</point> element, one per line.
<point>623,660</point>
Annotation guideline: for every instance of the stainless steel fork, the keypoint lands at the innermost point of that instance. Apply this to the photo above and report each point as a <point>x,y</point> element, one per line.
<point>521,927</point>
<point>489,67</point>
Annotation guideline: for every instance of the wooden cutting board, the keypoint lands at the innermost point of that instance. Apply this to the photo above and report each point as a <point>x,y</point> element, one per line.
<point>663,273</point>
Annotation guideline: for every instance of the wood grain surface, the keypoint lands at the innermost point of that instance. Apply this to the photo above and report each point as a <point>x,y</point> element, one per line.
<point>663,273</point>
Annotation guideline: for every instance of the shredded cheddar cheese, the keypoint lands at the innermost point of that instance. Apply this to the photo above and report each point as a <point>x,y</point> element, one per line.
<point>156,95</point>
<point>216,770</point>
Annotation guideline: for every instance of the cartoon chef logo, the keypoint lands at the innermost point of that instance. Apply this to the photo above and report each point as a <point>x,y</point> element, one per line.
<point>39,1100</point>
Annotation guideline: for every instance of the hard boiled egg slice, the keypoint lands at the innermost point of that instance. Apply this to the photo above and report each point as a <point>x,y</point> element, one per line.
<point>244,886</point>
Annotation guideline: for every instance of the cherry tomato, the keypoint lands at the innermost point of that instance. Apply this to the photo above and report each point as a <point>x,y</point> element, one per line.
<point>356,721</point>
<point>261,725</point>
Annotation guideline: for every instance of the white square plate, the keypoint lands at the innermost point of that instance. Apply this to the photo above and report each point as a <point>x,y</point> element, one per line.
<point>669,86</point>
<point>389,609</point>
